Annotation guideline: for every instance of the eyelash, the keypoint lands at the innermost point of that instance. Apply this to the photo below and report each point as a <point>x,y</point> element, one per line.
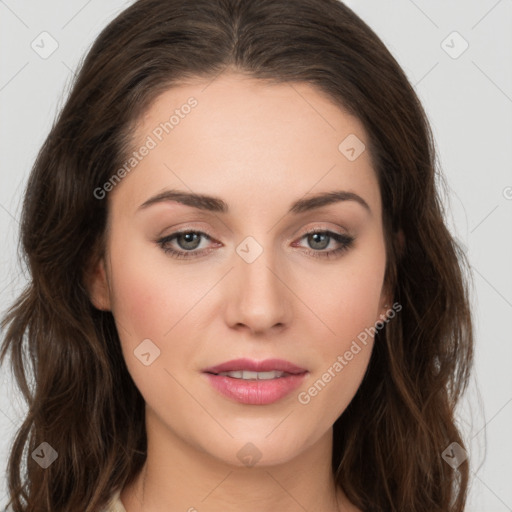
<point>346,242</point>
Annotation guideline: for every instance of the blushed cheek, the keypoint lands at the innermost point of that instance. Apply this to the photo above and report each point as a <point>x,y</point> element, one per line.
<point>139,303</point>
<point>145,308</point>
<point>351,314</point>
<point>348,354</point>
<point>349,305</point>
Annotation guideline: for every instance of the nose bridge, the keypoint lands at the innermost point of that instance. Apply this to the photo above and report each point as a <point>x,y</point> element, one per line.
<point>260,298</point>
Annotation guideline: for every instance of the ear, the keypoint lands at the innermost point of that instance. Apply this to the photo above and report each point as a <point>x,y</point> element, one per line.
<point>386,302</point>
<point>97,285</point>
<point>386,299</point>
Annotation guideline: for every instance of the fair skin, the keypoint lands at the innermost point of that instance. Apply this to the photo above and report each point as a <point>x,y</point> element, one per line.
<point>259,148</point>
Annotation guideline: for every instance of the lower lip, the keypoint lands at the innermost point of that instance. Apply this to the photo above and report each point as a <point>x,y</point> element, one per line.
<point>255,392</point>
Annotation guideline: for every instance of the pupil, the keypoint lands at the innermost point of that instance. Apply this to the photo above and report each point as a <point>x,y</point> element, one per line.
<point>189,243</point>
<point>317,239</point>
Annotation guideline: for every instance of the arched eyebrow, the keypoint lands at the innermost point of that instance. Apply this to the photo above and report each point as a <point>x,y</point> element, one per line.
<point>218,205</point>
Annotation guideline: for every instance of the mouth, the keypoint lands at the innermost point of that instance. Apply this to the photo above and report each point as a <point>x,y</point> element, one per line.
<point>251,367</point>
<point>255,382</point>
<point>249,375</point>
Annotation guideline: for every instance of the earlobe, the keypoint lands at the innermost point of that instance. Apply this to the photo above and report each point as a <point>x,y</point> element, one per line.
<point>385,304</point>
<point>98,286</point>
<point>384,309</point>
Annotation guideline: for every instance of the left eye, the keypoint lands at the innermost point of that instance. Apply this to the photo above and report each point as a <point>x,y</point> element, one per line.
<point>189,241</point>
<point>320,240</point>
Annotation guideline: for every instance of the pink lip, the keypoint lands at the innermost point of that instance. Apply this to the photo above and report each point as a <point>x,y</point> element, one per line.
<point>256,392</point>
<point>267,365</point>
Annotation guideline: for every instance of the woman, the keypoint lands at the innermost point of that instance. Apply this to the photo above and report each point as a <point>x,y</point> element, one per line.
<point>243,291</point>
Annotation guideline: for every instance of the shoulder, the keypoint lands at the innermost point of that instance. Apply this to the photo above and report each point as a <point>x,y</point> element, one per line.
<point>115,504</point>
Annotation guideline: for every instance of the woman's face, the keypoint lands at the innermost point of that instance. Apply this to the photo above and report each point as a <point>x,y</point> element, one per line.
<point>247,281</point>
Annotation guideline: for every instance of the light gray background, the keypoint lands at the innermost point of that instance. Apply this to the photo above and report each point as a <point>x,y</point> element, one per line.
<point>469,102</point>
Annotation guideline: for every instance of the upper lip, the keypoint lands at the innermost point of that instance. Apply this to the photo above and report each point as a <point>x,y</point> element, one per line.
<point>266,365</point>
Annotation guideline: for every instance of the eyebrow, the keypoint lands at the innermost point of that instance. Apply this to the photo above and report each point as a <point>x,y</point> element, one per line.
<point>216,204</point>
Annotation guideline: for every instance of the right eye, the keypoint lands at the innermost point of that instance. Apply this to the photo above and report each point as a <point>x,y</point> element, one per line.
<point>188,242</point>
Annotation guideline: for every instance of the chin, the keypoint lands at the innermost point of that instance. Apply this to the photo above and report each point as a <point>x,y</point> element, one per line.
<point>256,451</point>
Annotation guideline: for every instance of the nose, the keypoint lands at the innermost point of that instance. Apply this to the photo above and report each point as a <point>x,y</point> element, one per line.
<point>259,298</point>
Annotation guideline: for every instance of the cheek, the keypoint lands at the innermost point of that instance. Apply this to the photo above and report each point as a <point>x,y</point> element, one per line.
<point>149,294</point>
<point>149,299</point>
<point>348,302</point>
<point>347,297</point>
<point>343,357</point>
<point>139,304</point>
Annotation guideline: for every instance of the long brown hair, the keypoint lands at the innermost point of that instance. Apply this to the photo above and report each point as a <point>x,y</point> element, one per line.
<point>65,354</point>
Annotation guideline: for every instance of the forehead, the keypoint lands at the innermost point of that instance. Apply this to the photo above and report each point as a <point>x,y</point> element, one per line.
<point>245,137</point>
